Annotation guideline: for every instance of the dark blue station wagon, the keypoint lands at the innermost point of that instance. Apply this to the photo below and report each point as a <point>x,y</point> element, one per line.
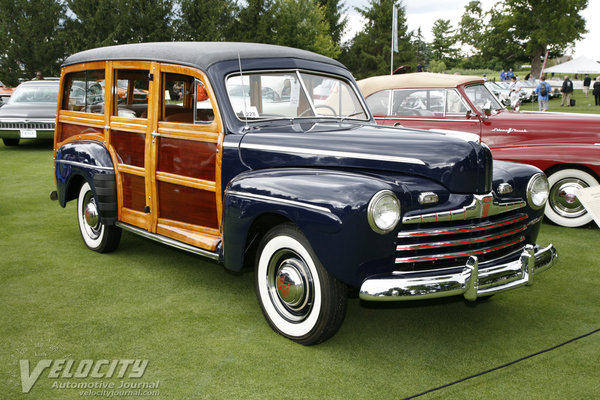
<point>267,157</point>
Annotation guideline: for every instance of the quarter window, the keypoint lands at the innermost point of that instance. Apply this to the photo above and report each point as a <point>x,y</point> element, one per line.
<point>455,104</point>
<point>84,91</point>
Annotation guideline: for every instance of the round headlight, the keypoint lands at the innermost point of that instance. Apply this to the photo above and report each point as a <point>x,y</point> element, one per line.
<point>537,191</point>
<point>384,211</point>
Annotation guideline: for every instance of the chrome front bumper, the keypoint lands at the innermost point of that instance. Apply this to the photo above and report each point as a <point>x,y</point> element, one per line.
<point>472,282</point>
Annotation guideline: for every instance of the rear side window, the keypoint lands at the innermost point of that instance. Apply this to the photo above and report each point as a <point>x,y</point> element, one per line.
<point>84,91</point>
<point>130,92</point>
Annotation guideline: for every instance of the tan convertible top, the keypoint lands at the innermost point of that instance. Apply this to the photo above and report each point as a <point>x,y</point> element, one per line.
<point>415,80</point>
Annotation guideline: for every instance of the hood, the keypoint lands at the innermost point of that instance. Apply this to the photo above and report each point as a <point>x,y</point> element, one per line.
<point>28,111</point>
<point>461,166</point>
<point>548,127</point>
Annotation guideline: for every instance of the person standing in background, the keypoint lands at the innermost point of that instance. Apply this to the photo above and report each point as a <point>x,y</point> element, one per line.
<point>510,74</point>
<point>596,91</point>
<point>566,90</point>
<point>587,81</point>
<point>543,92</point>
<point>515,95</point>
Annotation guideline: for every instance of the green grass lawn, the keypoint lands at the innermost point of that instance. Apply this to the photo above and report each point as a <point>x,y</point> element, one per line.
<point>204,335</point>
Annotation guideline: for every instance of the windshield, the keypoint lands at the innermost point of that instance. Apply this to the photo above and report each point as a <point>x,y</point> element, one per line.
<point>482,98</point>
<point>293,94</point>
<point>35,94</point>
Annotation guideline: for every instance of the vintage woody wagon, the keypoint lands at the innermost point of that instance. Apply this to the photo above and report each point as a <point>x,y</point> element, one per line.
<point>270,159</point>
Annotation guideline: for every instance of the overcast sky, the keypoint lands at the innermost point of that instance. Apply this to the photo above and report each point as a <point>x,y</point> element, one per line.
<point>423,13</point>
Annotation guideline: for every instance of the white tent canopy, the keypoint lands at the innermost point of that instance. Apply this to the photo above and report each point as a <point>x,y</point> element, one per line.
<point>581,65</point>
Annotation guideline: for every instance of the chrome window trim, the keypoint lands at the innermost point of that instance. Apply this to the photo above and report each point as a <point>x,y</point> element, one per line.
<point>433,119</point>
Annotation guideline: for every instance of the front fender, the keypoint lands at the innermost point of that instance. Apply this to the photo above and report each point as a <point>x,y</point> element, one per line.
<point>330,207</point>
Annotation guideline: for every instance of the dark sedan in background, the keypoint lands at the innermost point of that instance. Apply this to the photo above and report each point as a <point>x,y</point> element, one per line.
<point>30,113</point>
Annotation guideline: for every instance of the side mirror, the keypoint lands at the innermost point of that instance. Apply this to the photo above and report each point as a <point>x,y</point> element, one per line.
<point>487,109</point>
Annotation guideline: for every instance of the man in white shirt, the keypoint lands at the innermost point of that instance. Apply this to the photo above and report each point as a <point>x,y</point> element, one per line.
<point>515,89</point>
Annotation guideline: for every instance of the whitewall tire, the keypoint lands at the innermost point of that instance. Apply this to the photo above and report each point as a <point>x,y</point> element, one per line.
<point>96,235</point>
<point>298,297</point>
<point>563,207</point>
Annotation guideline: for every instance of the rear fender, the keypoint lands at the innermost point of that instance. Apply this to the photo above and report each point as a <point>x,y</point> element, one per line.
<point>87,160</point>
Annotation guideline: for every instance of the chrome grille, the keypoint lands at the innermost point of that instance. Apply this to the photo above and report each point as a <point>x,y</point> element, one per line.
<point>27,125</point>
<point>449,244</point>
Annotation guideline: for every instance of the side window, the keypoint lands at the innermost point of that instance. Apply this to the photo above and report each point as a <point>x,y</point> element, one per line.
<point>379,102</point>
<point>84,91</point>
<point>130,91</point>
<point>454,103</point>
<point>418,102</point>
<point>185,100</point>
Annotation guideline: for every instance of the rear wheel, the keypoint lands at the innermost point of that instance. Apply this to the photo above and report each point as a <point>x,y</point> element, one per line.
<point>298,297</point>
<point>96,235</point>
<point>10,142</point>
<point>564,208</point>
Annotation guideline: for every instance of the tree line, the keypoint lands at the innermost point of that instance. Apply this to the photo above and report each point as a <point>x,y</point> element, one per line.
<point>37,35</point>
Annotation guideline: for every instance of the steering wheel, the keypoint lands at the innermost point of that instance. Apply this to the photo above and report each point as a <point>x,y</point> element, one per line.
<point>333,113</point>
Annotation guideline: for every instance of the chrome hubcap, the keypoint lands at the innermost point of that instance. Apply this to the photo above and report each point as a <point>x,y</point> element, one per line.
<point>563,198</point>
<point>290,285</point>
<point>91,214</point>
<point>89,209</point>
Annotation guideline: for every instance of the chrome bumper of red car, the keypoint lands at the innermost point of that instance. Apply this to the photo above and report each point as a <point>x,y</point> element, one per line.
<point>472,282</point>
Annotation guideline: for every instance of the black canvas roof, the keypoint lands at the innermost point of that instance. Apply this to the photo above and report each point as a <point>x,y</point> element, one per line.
<point>197,54</point>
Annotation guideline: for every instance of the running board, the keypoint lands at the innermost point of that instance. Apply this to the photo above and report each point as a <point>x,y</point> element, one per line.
<point>168,241</point>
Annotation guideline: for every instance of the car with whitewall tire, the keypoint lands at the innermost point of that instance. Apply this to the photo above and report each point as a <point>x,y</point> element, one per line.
<point>566,146</point>
<point>271,161</point>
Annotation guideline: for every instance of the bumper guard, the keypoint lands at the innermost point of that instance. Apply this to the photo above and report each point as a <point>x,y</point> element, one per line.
<point>472,282</point>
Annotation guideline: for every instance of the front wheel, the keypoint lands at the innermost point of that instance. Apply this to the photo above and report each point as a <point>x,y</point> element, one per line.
<point>564,208</point>
<point>96,235</point>
<point>298,297</point>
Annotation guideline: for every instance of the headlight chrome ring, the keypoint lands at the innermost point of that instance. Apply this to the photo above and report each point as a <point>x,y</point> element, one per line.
<point>538,190</point>
<point>383,212</point>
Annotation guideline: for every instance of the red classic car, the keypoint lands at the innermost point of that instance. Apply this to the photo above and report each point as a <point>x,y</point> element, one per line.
<point>565,146</point>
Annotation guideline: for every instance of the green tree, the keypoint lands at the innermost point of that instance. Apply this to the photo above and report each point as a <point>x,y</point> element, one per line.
<point>302,24</point>
<point>422,49</point>
<point>334,14</point>
<point>522,30</point>
<point>96,23</point>
<point>204,20</point>
<point>443,45</point>
<point>32,38</point>
<point>539,25</point>
<point>254,21</point>
<point>368,53</point>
